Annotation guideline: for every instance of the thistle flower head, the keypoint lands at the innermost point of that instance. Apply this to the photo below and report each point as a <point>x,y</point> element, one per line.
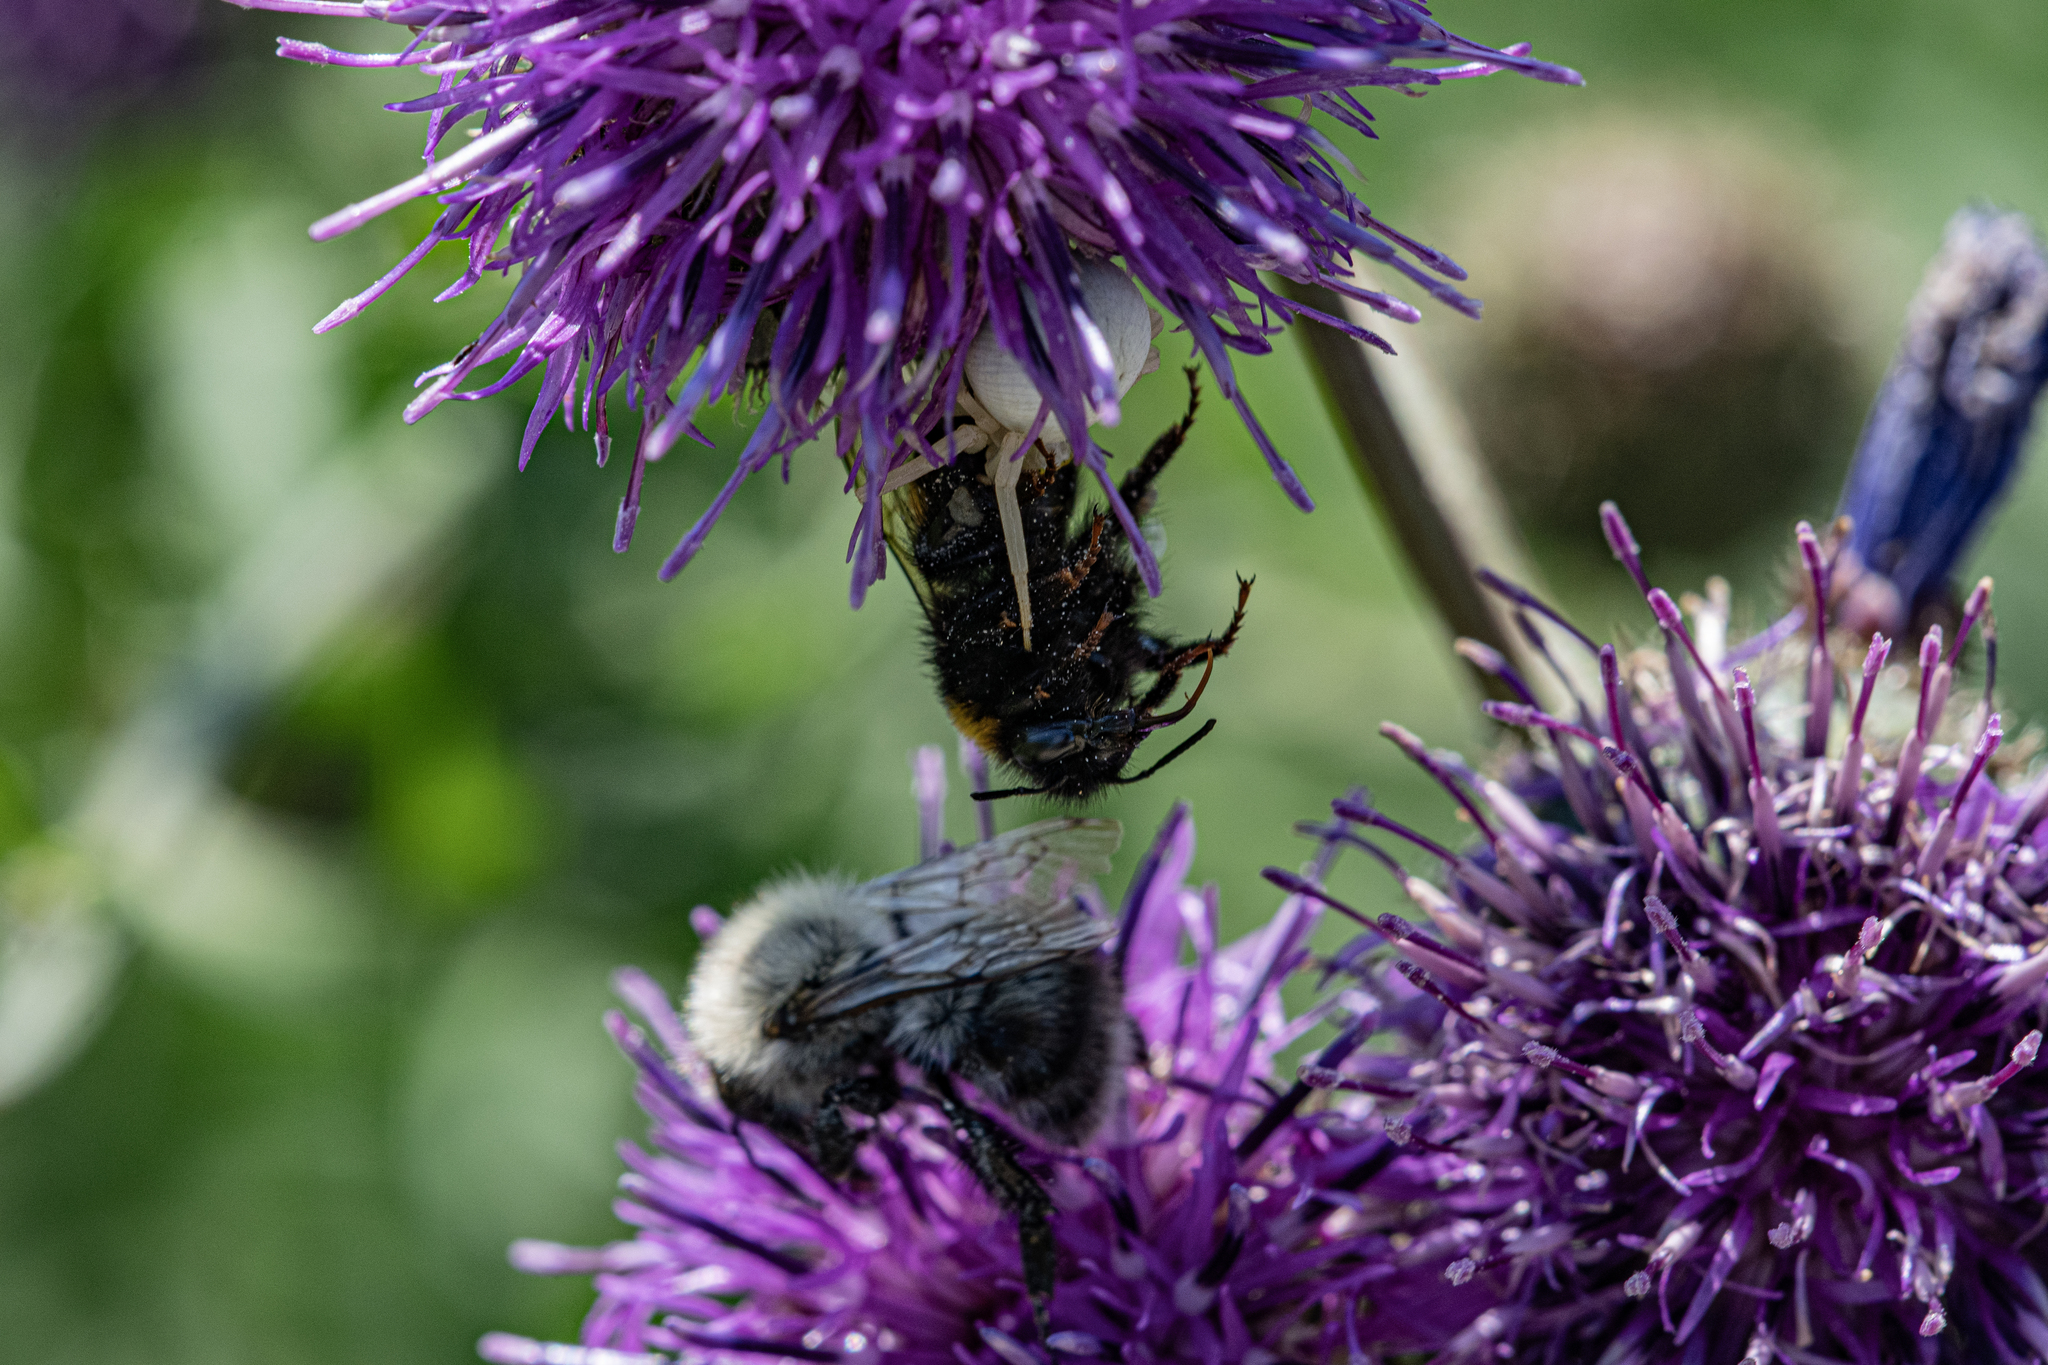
<point>1738,1011</point>
<point>1224,1214</point>
<point>827,206</point>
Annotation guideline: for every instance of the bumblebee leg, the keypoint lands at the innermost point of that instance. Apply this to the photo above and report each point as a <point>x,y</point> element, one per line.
<point>834,1143</point>
<point>1141,1046</point>
<point>1071,576</point>
<point>1088,646</point>
<point>833,1139</point>
<point>1170,667</point>
<point>873,1094</point>
<point>1006,468</point>
<point>1069,580</point>
<point>1137,485</point>
<point>992,1155</point>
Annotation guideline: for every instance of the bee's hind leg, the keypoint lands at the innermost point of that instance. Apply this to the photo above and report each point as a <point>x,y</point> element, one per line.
<point>833,1139</point>
<point>1136,487</point>
<point>991,1154</point>
<point>1171,661</point>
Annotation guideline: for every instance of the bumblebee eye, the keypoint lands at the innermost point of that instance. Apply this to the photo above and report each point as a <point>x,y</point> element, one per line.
<point>1115,724</point>
<point>1041,743</point>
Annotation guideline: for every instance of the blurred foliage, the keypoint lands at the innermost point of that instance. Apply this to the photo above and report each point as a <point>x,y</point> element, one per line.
<point>341,762</point>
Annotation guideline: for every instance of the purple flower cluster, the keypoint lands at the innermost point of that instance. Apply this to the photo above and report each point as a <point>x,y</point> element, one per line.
<point>1732,1046</point>
<point>1220,1218</point>
<point>822,206</point>
<point>1717,1046</point>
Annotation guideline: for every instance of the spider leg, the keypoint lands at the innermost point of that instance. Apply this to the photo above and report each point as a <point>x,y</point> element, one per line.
<point>1007,468</point>
<point>919,465</point>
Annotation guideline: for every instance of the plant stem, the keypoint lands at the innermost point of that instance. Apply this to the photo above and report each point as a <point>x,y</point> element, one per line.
<point>1413,455</point>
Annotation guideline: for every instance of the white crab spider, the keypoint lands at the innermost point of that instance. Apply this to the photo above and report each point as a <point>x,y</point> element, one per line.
<point>1003,404</point>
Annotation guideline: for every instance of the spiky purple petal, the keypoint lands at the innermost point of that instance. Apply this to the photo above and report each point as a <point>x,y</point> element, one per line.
<point>1766,1057</point>
<point>823,206</point>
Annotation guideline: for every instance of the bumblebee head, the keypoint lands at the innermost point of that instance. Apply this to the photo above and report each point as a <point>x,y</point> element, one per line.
<point>1114,734</point>
<point>1074,760</point>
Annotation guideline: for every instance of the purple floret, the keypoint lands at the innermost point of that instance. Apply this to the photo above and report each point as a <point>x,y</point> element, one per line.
<point>819,206</point>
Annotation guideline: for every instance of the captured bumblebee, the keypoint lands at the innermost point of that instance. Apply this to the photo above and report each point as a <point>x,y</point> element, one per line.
<point>980,964</point>
<point>1067,710</point>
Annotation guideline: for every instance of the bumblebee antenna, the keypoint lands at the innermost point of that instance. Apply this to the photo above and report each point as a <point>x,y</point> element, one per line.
<point>1176,717</point>
<point>1190,742</point>
<point>1016,791</point>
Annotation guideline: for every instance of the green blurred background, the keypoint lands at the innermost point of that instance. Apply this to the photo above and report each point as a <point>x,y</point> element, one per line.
<point>340,762</point>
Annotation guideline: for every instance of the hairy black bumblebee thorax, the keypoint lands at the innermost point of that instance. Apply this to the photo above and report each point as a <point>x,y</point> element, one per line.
<point>1069,713</point>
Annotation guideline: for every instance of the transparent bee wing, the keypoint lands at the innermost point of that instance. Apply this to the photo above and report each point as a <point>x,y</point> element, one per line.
<point>903,511</point>
<point>993,910</point>
<point>957,956</point>
<point>1029,871</point>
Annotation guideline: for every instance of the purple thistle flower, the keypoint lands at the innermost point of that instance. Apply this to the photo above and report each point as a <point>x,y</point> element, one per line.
<point>1223,1216</point>
<point>1735,1061</point>
<point>825,207</point>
